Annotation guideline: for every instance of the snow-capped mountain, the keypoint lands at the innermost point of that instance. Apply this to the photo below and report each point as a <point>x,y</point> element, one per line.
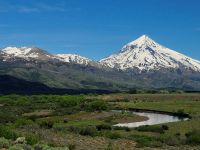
<point>146,54</point>
<point>26,53</point>
<point>29,54</point>
<point>73,58</point>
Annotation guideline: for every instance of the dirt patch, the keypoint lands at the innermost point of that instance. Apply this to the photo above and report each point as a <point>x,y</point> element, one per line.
<point>40,113</point>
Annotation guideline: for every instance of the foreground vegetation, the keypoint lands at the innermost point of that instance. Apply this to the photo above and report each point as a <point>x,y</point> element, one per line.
<point>86,122</point>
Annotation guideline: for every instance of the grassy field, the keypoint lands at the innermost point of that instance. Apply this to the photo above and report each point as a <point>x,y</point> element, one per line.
<point>86,122</point>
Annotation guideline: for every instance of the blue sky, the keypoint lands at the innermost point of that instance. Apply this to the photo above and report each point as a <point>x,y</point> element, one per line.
<point>98,28</point>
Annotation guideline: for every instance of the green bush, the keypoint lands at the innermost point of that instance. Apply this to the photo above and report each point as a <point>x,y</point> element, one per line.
<point>86,131</point>
<point>7,132</point>
<point>48,124</point>
<point>145,141</point>
<point>32,117</point>
<point>103,127</point>
<point>193,138</point>
<point>90,131</point>
<point>113,135</point>
<point>4,143</point>
<point>165,127</point>
<point>157,129</point>
<point>32,139</point>
<point>97,106</point>
<point>180,112</point>
<point>70,101</point>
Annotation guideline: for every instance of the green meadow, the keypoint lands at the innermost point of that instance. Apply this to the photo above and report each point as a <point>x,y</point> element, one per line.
<point>86,122</point>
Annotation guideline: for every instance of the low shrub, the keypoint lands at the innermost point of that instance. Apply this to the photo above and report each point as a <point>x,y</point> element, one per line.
<point>145,141</point>
<point>113,135</point>
<point>193,137</point>
<point>121,128</point>
<point>86,131</point>
<point>97,106</point>
<point>7,132</point>
<point>32,139</point>
<point>157,129</point>
<point>180,112</point>
<point>165,127</point>
<point>90,131</point>
<point>32,117</point>
<point>73,129</point>
<point>103,127</point>
<point>4,143</point>
<point>69,103</point>
<point>48,124</point>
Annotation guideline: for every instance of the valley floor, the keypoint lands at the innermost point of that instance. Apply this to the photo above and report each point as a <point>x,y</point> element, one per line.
<point>85,122</point>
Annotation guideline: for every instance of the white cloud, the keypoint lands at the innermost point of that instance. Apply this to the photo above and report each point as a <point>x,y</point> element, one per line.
<point>37,7</point>
<point>24,9</point>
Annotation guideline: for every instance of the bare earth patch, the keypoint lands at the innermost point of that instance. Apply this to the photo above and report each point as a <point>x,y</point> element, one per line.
<point>40,113</point>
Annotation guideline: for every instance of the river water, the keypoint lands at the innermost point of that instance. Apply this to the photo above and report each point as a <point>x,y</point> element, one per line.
<point>154,118</point>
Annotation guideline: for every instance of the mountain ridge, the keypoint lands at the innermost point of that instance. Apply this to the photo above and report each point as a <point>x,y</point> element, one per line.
<point>77,72</point>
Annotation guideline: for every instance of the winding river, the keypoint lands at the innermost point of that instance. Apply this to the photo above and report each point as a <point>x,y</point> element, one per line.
<point>154,118</point>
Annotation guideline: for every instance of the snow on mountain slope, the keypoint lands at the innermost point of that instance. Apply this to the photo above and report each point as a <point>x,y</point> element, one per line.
<point>18,52</point>
<point>73,58</point>
<point>25,53</point>
<point>146,54</point>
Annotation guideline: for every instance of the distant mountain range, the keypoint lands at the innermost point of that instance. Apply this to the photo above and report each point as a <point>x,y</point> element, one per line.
<point>142,63</point>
